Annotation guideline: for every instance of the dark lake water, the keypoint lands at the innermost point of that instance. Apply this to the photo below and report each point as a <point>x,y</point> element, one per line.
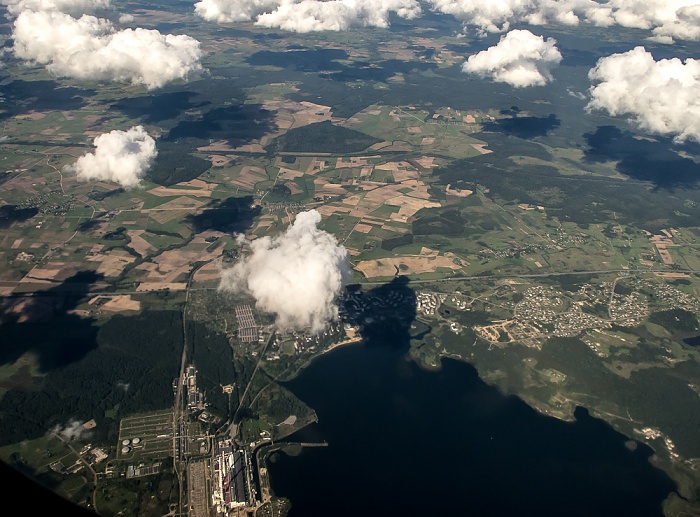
<point>692,341</point>
<point>405,441</point>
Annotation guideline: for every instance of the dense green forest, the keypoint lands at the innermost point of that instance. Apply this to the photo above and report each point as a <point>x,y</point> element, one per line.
<point>130,365</point>
<point>213,357</point>
<point>323,137</point>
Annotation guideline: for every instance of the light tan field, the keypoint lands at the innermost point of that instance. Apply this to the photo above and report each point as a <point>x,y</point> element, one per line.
<point>38,273</point>
<point>218,160</point>
<point>159,286</point>
<point>408,206</point>
<point>201,238</point>
<point>251,148</point>
<point>329,189</point>
<point>366,172</point>
<point>393,166</point>
<point>671,276</point>
<point>180,203</point>
<point>363,228</point>
<point>353,200</point>
<point>177,208</point>
<point>458,192</point>
<point>360,211</point>
<point>377,194</point>
<point>198,184</point>
<point>211,271</point>
<point>407,265</point>
<point>316,166</point>
<point>374,220</point>
<point>289,174</point>
<point>111,263</point>
<point>355,161</point>
<point>138,243</point>
<point>403,175</point>
<point>265,221</point>
<point>32,115</point>
<point>165,216</point>
<point>118,303</point>
<point>328,210</point>
<point>169,265</point>
<point>292,114</point>
<point>172,192</point>
<point>427,162</point>
<point>392,146</point>
<point>218,146</point>
<point>248,177</point>
<point>481,148</point>
<point>294,188</point>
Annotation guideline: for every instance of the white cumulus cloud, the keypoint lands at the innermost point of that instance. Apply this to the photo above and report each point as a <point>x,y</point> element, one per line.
<point>297,275</point>
<point>661,97</point>
<point>227,11</point>
<point>91,48</point>
<point>520,59</point>
<point>120,156</point>
<point>495,16</point>
<point>72,7</point>
<point>667,19</point>
<point>308,15</point>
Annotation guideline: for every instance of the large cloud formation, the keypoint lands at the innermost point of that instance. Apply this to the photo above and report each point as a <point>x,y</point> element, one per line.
<point>120,156</point>
<point>662,97</point>
<point>667,19</point>
<point>91,48</point>
<point>64,36</point>
<point>308,15</point>
<point>297,275</point>
<point>520,59</point>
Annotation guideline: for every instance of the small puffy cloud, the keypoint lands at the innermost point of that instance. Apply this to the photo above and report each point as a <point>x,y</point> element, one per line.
<point>520,59</point>
<point>91,48</point>
<point>73,430</point>
<point>120,156</point>
<point>297,275</point>
<point>308,15</point>
<point>661,97</point>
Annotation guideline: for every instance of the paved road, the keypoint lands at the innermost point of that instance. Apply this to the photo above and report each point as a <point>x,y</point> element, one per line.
<point>630,272</point>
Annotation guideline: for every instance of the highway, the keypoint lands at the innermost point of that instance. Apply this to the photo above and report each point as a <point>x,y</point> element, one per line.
<point>629,272</point>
